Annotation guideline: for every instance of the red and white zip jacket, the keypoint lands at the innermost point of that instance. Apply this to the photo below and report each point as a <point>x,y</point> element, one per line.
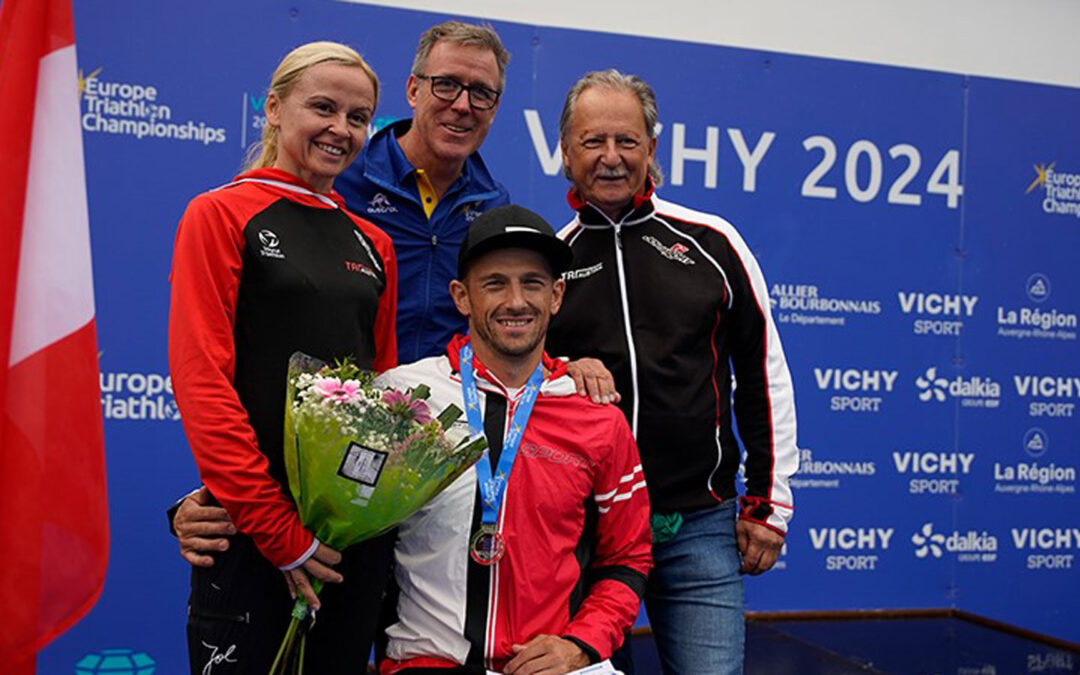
<point>674,303</point>
<point>575,517</point>
<point>264,267</point>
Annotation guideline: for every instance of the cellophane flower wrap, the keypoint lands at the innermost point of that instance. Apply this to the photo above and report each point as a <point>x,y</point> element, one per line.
<point>361,459</point>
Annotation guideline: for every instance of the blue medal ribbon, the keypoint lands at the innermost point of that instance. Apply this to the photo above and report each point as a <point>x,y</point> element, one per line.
<point>493,487</point>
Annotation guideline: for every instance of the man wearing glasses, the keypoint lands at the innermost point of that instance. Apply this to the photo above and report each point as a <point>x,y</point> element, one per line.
<point>422,180</point>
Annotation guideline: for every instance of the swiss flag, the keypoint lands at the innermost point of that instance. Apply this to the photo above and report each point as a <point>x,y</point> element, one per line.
<point>54,534</point>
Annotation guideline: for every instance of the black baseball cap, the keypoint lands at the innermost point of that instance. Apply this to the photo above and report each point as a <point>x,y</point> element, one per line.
<point>513,226</point>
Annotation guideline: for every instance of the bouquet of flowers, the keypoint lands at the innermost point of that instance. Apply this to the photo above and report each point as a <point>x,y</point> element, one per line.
<point>360,460</point>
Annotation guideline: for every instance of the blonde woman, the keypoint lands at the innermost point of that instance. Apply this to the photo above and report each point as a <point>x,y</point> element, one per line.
<point>270,264</point>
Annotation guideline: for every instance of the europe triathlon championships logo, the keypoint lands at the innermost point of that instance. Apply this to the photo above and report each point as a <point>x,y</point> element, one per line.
<point>137,109</point>
<point>1062,190</point>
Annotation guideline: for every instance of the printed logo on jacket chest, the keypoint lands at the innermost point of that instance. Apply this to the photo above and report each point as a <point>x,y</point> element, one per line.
<point>676,252</point>
<point>470,213</point>
<point>380,203</point>
<point>556,456</point>
<point>351,266</point>
<point>583,272</point>
<point>271,246</point>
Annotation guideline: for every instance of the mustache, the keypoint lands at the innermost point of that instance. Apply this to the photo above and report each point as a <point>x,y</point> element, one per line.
<point>610,172</point>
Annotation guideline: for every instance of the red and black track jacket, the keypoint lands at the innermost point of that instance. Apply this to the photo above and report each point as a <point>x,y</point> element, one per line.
<point>575,518</point>
<point>673,302</point>
<point>264,267</point>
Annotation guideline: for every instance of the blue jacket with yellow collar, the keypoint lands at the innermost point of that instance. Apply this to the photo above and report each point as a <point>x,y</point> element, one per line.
<point>381,187</point>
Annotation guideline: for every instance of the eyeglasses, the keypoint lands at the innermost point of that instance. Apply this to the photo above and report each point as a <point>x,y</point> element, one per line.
<point>448,89</point>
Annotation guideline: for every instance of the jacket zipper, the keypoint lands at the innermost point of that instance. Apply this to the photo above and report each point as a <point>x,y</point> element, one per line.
<point>626,327</point>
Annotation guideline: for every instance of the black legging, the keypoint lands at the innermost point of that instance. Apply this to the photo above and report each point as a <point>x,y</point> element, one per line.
<point>239,610</point>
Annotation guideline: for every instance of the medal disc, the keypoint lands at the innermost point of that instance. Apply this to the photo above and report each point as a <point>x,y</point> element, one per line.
<point>487,546</point>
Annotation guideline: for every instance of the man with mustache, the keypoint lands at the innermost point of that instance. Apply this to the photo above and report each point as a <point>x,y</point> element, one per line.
<point>674,304</point>
<point>422,181</point>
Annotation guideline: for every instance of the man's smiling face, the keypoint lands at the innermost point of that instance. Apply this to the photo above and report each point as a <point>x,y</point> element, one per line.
<point>607,150</point>
<point>451,131</point>
<point>509,296</point>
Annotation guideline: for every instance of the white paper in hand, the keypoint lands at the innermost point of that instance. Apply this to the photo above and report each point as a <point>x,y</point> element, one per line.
<point>602,668</point>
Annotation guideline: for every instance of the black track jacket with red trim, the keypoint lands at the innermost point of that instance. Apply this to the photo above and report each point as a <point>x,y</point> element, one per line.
<point>575,518</point>
<point>672,301</point>
<point>264,267</point>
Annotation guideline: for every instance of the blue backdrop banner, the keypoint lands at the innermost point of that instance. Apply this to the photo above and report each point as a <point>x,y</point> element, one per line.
<point>918,231</point>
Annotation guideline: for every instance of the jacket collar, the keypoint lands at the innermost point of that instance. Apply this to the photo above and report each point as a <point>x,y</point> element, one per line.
<point>555,368</point>
<point>290,186</point>
<point>590,216</point>
<point>474,177</point>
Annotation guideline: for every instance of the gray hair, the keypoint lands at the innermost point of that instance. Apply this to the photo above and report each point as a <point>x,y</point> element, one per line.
<point>614,80</point>
<point>468,34</point>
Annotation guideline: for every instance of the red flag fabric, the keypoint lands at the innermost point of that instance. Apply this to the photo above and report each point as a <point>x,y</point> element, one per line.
<point>53,510</point>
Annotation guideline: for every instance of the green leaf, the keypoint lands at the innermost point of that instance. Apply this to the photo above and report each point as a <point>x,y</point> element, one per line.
<point>449,416</point>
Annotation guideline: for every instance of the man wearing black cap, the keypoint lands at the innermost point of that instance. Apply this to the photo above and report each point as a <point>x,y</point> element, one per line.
<point>535,559</point>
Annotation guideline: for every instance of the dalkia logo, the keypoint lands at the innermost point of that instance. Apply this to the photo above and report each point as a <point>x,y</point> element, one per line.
<point>927,541</point>
<point>137,396</point>
<point>970,546</point>
<point>116,662</point>
<point>973,392</point>
<point>1060,190</point>
<point>134,109</point>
